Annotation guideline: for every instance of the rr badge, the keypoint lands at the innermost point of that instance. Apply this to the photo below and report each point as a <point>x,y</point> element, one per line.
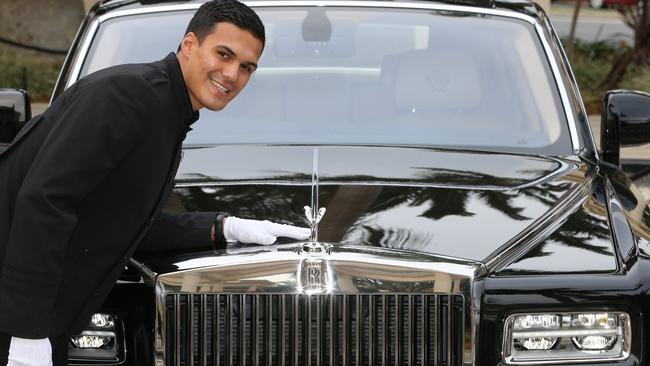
<point>314,275</point>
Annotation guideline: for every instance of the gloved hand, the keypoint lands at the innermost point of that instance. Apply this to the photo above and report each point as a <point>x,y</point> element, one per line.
<point>260,232</point>
<point>30,352</point>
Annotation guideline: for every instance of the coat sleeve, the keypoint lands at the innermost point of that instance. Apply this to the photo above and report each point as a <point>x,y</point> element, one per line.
<point>101,121</point>
<point>174,232</point>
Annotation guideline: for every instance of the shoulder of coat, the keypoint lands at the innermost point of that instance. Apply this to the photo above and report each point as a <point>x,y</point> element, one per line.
<point>155,77</point>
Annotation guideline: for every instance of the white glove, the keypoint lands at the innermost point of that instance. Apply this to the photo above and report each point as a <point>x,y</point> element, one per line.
<point>260,232</point>
<point>30,352</point>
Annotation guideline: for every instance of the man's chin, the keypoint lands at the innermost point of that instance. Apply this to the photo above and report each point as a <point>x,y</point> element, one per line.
<point>216,104</point>
<point>215,108</point>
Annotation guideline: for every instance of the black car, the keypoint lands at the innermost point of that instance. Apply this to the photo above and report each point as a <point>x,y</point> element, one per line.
<point>470,218</point>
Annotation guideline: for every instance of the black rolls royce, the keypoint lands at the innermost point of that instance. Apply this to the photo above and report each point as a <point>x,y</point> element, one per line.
<point>469,217</point>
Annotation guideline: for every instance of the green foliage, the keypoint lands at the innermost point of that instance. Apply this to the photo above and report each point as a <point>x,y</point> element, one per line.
<point>592,61</point>
<point>637,78</point>
<point>39,74</point>
<point>598,49</point>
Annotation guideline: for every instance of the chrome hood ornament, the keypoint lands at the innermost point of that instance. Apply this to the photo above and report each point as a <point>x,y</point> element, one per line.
<point>314,214</point>
<point>314,218</point>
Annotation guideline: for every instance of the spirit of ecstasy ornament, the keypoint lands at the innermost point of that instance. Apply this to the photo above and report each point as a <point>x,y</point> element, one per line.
<point>314,215</point>
<point>314,218</point>
<point>313,275</point>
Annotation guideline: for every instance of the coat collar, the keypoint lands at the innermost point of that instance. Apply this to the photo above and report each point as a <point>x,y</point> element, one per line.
<point>173,71</point>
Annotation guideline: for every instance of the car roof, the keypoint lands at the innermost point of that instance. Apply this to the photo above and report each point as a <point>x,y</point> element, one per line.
<point>523,6</point>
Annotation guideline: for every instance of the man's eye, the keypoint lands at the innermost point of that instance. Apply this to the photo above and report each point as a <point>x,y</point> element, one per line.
<point>224,55</point>
<point>247,68</point>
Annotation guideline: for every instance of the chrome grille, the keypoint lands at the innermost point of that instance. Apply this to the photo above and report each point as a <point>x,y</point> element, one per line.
<point>243,329</point>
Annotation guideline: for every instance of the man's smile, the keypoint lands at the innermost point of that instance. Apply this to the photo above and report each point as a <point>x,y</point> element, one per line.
<point>220,86</point>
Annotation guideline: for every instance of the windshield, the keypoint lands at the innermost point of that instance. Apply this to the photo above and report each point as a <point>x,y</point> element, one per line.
<point>372,76</point>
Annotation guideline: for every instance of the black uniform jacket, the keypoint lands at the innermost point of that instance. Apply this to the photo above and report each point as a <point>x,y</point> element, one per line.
<point>80,188</point>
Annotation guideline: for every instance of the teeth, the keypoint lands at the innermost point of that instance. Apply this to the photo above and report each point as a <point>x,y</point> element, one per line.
<point>221,87</point>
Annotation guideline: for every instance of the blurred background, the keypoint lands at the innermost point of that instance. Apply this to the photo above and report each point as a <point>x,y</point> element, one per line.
<point>34,38</point>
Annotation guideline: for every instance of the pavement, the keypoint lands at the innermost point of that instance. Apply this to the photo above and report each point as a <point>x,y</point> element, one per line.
<point>566,8</point>
<point>592,25</point>
<point>38,108</point>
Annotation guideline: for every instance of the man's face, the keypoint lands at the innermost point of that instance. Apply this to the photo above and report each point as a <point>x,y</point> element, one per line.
<point>218,68</point>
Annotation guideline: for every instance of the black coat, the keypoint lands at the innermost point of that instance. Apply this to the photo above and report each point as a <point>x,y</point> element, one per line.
<point>81,186</point>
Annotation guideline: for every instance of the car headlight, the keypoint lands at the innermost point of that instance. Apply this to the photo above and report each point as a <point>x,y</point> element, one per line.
<point>100,341</point>
<point>562,337</point>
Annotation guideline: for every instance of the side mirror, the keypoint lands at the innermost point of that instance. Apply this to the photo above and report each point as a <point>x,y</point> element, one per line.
<point>625,122</point>
<point>15,111</point>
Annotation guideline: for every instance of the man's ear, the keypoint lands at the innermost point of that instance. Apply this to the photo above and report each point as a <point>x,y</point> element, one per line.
<point>187,44</point>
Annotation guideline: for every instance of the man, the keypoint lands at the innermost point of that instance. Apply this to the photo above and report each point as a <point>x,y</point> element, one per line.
<point>82,185</point>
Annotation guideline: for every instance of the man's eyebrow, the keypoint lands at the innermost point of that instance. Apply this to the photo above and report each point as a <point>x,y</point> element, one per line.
<point>232,53</point>
<point>227,49</point>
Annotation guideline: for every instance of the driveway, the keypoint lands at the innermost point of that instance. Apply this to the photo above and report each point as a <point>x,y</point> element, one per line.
<point>593,24</point>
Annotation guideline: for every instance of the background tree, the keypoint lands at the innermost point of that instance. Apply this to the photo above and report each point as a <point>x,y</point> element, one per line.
<point>636,17</point>
<point>574,23</point>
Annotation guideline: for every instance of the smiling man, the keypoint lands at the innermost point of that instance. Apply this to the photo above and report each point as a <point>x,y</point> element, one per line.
<point>216,66</point>
<point>82,185</point>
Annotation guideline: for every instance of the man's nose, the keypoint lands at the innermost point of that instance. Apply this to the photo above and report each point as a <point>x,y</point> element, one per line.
<point>231,71</point>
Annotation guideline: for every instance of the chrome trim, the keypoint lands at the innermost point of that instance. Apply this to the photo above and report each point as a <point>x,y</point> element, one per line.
<point>565,61</point>
<point>618,224</point>
<point>539,230</point>
<point>370,4</point>
<point>83,52</point>
<point>332,3</point>
<point>177,336</point>
<point>99,333</point>
<point>204,329</point>
<point>565,333</point>
<point>569,113</point>
<point>475,308</point>
<point>350,316</point>
<point>361,183</point>
<point>353,270</point>
<point>148,275</point>
<point>564,166</point>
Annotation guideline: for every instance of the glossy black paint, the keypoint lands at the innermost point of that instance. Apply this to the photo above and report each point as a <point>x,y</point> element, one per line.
<point>635,209</point>
<point>503,296</point>
<point>366,210</point>
<point>15,111</point>
<point>584,235</point>
<point>401,166</point>
<point>625,122</point>
<point>405,198</point>
<point>625,289</point>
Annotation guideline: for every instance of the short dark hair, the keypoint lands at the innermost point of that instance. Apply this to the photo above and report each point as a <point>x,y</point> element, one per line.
<point>225,11</point>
